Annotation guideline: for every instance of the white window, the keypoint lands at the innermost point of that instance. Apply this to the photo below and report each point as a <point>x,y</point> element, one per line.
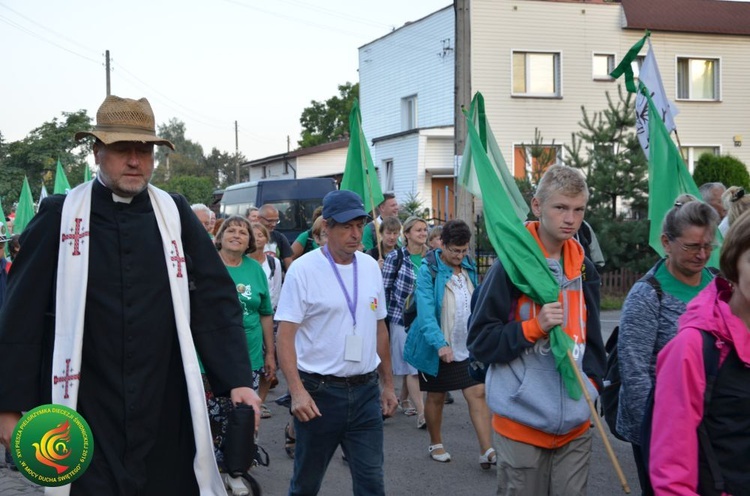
<point>389,180</point>
<point>692,154</point>
<point>637,64</point>
<point>536,74</point>
<point>409,113</point>
<point>603,64</point>
<point>697,79</point>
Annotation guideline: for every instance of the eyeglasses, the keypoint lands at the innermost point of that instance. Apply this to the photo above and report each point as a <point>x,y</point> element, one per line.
<point>273,222</point>
<point>695,248</point>
<point>457,252</point>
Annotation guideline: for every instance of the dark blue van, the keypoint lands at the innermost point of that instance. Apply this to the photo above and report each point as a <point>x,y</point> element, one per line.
<point>295,199</point>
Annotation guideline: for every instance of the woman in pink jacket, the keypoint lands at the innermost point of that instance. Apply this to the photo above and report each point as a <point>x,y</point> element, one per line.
<point>678,460</point>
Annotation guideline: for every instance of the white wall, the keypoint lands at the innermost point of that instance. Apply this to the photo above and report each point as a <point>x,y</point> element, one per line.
<point>409,61</point>
<point>322,164</point>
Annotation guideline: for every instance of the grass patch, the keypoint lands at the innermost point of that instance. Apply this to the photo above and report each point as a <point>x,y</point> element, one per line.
<point>612,302</point>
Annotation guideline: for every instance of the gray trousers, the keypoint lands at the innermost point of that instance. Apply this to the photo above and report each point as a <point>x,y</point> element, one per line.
<point>523,469</point>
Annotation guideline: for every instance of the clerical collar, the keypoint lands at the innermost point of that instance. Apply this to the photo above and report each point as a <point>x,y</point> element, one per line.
<point>115,198</point>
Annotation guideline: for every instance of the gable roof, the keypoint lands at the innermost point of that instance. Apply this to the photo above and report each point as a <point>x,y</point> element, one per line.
<point>688,16</point>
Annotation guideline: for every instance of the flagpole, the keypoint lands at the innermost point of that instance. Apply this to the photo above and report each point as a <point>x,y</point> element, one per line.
<point>369,185</point>
<point>600,427</point>
<point>679,145</point>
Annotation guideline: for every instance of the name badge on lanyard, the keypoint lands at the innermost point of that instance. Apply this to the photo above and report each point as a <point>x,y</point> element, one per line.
<point>353,343</point>
<point>353,348</point>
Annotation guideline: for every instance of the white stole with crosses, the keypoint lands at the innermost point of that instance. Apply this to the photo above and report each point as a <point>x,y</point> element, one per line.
<point>72,281</point>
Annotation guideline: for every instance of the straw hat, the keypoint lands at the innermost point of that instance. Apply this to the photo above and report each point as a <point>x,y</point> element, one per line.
<point>124,119</point>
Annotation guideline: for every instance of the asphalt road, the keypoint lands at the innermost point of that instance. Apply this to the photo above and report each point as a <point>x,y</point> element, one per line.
<point>408,468</point>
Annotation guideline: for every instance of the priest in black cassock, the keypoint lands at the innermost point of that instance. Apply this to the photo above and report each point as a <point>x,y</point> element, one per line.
<point>116,288</point>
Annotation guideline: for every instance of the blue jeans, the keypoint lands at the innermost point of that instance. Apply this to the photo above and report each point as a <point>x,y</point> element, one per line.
<point>350,417</point>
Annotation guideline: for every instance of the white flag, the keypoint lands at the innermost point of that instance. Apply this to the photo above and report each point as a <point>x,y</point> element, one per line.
<point>43,194</point>
<point>651,77</point>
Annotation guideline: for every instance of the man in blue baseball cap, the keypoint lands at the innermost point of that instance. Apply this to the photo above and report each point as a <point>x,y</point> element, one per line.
<point>333,348</point>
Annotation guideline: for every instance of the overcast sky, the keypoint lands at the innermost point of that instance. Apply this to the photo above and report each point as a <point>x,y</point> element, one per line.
<point>207,63</point>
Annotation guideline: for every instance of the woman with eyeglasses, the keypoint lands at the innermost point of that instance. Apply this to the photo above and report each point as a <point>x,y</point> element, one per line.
<point>436,342</point>
<point>653,306</point>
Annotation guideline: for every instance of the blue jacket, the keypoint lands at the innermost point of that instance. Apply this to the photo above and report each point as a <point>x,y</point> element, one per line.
<point>425,335</point>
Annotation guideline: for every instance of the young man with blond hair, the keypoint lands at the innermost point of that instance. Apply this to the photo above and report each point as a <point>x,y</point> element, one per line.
<point>541,435</point>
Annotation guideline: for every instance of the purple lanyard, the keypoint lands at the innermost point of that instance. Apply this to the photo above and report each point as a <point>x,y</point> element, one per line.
<point>352,304</point>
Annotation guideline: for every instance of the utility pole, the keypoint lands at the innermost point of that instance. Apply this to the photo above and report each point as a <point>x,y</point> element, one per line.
<point>106,64</point>
<point>237,152</point>
<point>462,98</point>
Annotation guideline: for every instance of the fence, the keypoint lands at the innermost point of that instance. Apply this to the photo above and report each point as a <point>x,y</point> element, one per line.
<point>618,282</point>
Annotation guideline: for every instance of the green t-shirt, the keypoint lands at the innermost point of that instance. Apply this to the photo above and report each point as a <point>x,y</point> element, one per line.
<point>677,288</point>
<point>302,239</point>
<point>255,298</point>
<point>416,259</point>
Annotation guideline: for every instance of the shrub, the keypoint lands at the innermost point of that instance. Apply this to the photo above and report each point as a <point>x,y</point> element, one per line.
<point>724,169</point>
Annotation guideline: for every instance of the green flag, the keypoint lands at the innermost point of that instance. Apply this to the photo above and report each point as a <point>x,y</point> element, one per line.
<point>359,174</point>
<point>668,178</point>
<point>86,173</point>
<point>468,176</point>
<point>25,208</point>
<point>4,234</point>
<point>519,252</point>
<point>62,186</point>
<point>626,64</point>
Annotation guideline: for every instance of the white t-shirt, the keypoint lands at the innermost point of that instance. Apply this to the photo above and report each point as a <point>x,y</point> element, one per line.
<point>312,297</point>
<point>274,283</point>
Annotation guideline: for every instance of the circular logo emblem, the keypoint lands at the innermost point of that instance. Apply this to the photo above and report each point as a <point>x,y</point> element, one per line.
<point>52,445</point>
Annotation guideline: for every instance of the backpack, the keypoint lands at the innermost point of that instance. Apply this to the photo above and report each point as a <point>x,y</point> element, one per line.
<point>410,304</point>
<point>309,243</point>
<point>610,395</point>
<point>711,368</point>
<point>271,264</point>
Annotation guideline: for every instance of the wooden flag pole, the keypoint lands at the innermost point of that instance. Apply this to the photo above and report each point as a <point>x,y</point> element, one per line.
<point>600,427</point>
<point>363,157</point>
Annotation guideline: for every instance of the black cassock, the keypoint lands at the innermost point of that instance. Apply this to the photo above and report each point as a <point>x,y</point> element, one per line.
<point>132,384</point>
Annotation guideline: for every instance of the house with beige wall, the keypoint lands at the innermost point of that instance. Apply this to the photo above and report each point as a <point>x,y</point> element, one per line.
<point>537,63</point>
<point>326,160</point>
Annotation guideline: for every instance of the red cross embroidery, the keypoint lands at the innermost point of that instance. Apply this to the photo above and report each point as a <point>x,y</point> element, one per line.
<point>177,258</point>
<point>66,378</point>
<point>77,236</point>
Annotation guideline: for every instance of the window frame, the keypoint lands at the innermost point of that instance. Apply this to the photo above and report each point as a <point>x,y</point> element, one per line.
<point>388,182</point>
<point>559,156</point>
<point>717,78</point>
<point>409,112</point>
<point>558,71</point>
<point>611,59</point>
<point>691,159</point>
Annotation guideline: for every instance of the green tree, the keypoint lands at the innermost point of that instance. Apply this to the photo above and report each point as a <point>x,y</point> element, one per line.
<point>607,151</point>
<point>323,122</point>
<point>35,156</point>
<point>195,189</point>
<point>185,160</point>
<point>724,169</point>
<point>223,166</point>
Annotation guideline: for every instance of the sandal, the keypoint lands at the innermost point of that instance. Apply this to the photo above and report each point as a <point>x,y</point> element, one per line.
<point>265,412</point>
<point>236,485</point>
<point>408,408</point>
<point>488,459</point>
<point>421,422</point>
<point>289,442</point>
<point>443,457</point>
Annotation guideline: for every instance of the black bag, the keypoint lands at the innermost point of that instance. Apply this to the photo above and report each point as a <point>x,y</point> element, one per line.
<point>610,397</point>
<point>239,447</point>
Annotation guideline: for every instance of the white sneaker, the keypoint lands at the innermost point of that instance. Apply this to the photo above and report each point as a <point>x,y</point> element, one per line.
<point>235,484</point>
